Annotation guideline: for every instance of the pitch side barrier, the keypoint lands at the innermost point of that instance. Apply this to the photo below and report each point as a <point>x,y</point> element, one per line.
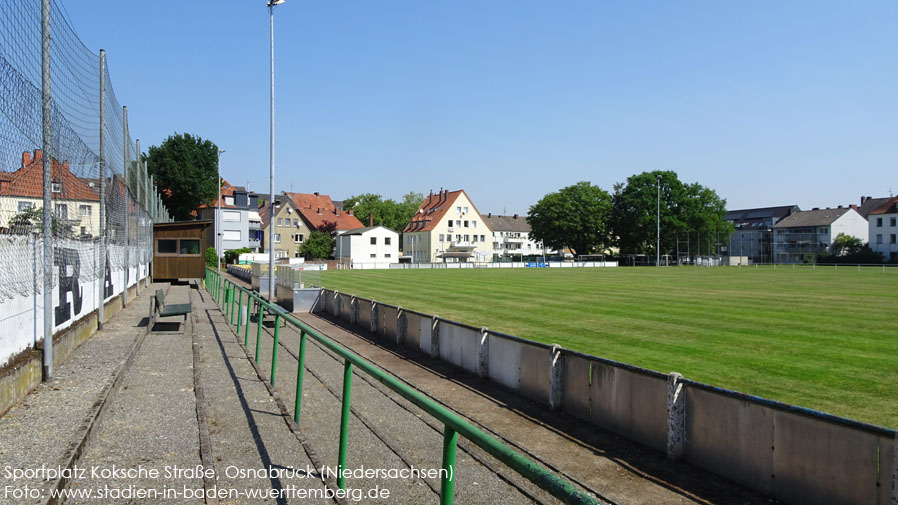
<point>231,298</point>
<point>795,454</point>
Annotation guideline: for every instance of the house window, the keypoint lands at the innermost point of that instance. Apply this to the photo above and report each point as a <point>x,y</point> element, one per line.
<point>879,222</point>
<point>230,235</point>
<point>62,211</point>
<point>467,238</point>
<point>298,238</point>
<point>84,210</point>
<point>466,224</point>
<point>173,246</point>
<point>56,187</point>
<point>83,231</point>
<point>280,221</point>
<point>458,223</point>
<point>892,238</point>
<point>481,239</point>
<point>386,240</point>
<point>373,240</point>
<point>466,210</point>
<point>230,216</point>
<point>229,200</point>
<point>457,237</point>
<point>473,224</point>
<point>442,237</point>
<point>879,238</point>
<point>277,238</point>
<point>23,206</point>
<point>892,221</point>
<point>387,255</point>
<point>458,209</point>
<point>373,255</point>
<point>475,238</point>
<point>296,223</point>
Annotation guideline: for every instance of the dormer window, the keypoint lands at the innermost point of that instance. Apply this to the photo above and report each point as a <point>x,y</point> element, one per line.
<point>56,187</point>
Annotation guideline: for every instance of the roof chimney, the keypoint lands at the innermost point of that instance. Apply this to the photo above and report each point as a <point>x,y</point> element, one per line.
<point>319,211</point>
<point>515,216</point>
<point>26,158</point>
<point>489,214</point>
<point>370,219</point>
<point>350,212</point>
<point>317,194</point>
<point>840,206</point>
<point>853,207</point>
<point>816,208</point>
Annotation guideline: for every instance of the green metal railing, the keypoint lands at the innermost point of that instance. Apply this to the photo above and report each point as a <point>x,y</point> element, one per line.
<point>223,292</point>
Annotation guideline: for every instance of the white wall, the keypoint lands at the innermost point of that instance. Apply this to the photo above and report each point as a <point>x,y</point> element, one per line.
<point>852,224</point>
<point>359,250</point>
<point>76,269</point>
<point>887,248</point>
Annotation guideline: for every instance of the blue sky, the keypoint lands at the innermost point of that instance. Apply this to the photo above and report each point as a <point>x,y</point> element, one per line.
<point>767,102</point>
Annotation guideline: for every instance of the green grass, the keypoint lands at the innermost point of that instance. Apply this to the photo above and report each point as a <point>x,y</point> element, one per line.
<point>825,339</point>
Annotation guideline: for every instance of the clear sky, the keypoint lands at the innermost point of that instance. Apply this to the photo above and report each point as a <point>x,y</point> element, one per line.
<point>767,102</point>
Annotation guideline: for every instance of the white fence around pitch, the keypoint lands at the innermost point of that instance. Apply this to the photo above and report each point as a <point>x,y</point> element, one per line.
<point>796,455</point>
<point>532,264</point>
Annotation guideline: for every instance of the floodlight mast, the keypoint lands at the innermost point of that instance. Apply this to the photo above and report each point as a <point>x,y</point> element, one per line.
<point>658,230</point>
<point>271,5</point>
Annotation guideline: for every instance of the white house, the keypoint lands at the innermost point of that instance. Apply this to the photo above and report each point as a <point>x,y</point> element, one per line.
<point>883,229</point>
<point>807,233</point>
<point>367,248</point>
<point>511,238</point>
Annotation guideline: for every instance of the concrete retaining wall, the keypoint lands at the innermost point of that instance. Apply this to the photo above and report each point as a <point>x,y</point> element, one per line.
<point>795,455</point>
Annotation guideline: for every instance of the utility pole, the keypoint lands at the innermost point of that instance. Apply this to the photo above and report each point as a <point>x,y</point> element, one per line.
<point>271,4</point>
<point>47,213</point>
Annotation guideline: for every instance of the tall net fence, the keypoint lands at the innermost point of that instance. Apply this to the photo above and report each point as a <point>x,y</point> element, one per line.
<point>103,205</point>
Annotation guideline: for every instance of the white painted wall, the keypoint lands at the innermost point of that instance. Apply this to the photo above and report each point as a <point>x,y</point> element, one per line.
<point>852,224</point>
<point>886,230</point>
<point>360,251</point>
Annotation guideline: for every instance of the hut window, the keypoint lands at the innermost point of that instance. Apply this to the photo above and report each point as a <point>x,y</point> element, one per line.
<point>166,246</point>
<point>190,246</point>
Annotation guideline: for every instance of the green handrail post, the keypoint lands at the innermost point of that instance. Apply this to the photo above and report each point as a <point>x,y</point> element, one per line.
<point>297,403</point>
<point>239,310</point>
<point>447,480</point>
<point>233,297</point>
<point>259,331</point>
<point>250,303</point>
<point>227,298</point>
<point>344,423</point>
<point>274,348</point>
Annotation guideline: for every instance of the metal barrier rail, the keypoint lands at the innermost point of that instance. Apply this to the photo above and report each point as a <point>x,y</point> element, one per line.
<point>225,293</point>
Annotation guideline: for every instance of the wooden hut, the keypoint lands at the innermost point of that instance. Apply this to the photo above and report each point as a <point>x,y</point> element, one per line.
<point>179,249</point>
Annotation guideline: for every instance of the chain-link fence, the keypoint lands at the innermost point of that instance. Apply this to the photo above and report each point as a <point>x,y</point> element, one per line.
<point>68,132</point>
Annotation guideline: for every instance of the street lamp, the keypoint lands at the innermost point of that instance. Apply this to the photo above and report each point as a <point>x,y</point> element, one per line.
<point>218,226</point>
<point>271,4</point>
<point>658,231</point>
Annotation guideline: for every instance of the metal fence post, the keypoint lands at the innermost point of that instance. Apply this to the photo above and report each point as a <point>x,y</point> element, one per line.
<point>259,331</point>
<point>250,303</point>
<point>300,366</point>
<point>47,214</point>
<point>102,231</point>
<point>344,423</point>
<point>127,270</point>
<point>233,295</point>
<point>239,310</point>
<point>274,348</point>
<point>447,480</point>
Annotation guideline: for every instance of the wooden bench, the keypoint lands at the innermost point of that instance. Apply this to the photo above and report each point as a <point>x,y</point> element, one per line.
<point>159,307</point>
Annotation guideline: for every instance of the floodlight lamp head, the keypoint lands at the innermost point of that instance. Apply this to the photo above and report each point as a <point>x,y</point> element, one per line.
<point>272,3</point>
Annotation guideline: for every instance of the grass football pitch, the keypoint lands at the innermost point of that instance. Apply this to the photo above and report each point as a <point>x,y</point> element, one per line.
<point>825,339</point>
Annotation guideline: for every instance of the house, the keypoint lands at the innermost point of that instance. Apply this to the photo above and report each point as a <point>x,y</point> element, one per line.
<point>76,201</point>
<point>368,248</point>
<point>753,231</point>
<point>883,229</point>
<point>240,224</point>
<point>290,230</point>
<point>805,234</point>
<point>511,237</point>
<point>447,227</point>
<point>318,210</point>
<point>869,204</point>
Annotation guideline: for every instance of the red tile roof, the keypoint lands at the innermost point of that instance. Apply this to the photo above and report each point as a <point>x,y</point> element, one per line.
<point>226,190</point>
<point>433,208</point>
<point>889,207</point>
<point>28,180</point>
<point>318,209</point>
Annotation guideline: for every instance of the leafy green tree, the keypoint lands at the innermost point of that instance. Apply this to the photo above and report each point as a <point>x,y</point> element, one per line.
<point>232,255</point>
<point>576,216</point>
<point>320,242</point>
<point>846,245</point>
<point>211,258</point>
<point>32,221</point>
<point>387,213</point>
<point>684,207</point>
<point>185,168</point>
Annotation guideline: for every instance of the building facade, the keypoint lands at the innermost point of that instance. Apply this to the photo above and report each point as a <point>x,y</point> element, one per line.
<point>447,227</point>
<point>511,238</point>
<point>752,238</point>
<point>238,224</point>
<point>882,225</point>
<point>290,230</point>
<point>805,234</point>
<point>367,248</point>
<point>76,201</point>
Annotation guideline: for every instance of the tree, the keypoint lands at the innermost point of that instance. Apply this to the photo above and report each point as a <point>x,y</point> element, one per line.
<point>320,242</point>
<point>684,207</point>
<point>846,245</point>
<point>576,216</point>
<point>185,168</point>
<point>387,213</point>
